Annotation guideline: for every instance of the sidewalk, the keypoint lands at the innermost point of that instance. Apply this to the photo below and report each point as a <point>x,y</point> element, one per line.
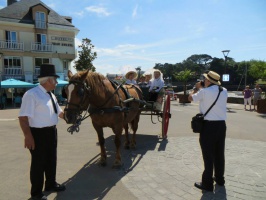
<point>157,169</point>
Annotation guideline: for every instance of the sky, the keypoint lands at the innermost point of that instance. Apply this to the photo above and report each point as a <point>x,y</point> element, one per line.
<point>140,33</point>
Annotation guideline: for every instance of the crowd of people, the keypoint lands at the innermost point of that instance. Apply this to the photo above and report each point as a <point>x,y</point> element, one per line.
<point>250,95</point>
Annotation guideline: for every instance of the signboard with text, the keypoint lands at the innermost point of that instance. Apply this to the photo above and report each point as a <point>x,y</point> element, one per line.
<point>226,77</point>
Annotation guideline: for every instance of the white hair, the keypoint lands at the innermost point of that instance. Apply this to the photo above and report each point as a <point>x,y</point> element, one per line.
<point>43,80</point>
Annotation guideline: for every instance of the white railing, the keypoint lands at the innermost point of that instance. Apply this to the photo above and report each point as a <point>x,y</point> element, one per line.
<point>11,45</point>
<point>41,47</point>
<point>13,71</point>
<point>40,24</point>
<point>37,71</point>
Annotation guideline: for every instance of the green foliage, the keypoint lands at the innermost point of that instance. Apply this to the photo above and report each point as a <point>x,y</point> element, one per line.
<point>86,56</point>
<point>184,76</point>
<point>257,69</point>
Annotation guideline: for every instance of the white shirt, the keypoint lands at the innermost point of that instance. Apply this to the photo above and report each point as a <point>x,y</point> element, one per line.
<point>131,82</point>
<point>206,97</point>
<point>38,107</point>
<point>157,83</point>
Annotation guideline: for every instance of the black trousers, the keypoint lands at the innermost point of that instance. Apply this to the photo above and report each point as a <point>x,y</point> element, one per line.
<point>43,159</point>
<point>212,142</point>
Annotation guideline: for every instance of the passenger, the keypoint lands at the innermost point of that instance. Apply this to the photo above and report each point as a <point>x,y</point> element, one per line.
<point>142,82</point>
<point>131,76</point>
<point>156,85</point>
<point>148,78</point>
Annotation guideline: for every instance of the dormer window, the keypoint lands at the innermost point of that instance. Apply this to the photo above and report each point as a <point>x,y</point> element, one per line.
<point>40,20</point>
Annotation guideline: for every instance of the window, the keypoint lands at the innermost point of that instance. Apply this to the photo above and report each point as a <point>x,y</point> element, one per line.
<point>12,66</point>
<point>11,39</point>
<point>40,21</point>
<point>41,38</point>
<point>65,64</point>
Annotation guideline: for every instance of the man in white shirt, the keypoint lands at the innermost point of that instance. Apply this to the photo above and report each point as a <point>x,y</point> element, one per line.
<point>38,117</point>
<point>213,133</point>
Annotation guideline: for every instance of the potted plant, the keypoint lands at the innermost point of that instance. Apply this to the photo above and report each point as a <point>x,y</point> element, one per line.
<point>184,76</point>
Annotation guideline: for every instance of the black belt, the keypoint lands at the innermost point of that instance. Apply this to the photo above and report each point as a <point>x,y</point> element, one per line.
<point>46,127</point>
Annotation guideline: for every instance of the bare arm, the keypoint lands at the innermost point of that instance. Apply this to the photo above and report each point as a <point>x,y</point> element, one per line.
<point>198,86</point>
<point>61,115</point>
<point>24,125</point>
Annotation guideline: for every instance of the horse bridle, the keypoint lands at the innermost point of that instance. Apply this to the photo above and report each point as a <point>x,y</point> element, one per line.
<point>83,91</point>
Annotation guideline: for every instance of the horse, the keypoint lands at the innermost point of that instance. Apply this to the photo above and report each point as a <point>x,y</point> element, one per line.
<point>106,105</point>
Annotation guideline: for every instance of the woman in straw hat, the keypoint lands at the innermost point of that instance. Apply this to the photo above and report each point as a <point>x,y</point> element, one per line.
<point>213,133</point>
<point>131,77</point>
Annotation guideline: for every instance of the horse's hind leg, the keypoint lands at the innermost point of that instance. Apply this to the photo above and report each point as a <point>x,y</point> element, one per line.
<point>101,139</point>
<point>134,126</point>
<point>126,143</point>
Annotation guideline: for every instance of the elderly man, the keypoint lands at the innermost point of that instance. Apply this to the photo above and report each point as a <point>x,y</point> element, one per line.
<point>213,133</point>
<point>38,117</point>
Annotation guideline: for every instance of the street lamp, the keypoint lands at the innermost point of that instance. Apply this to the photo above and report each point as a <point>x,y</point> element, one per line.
<point>225,52</point>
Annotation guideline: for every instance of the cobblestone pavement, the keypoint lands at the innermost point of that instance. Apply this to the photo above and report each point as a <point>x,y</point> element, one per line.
<point>156,169</point>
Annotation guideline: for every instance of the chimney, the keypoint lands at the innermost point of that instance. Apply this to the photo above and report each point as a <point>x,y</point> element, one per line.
<point>9,2</point>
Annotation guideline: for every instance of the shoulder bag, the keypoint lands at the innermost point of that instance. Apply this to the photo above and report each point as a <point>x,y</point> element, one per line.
<point>197,121</point>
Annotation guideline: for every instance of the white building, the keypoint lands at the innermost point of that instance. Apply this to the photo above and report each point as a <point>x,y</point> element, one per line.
<point>31,33</point>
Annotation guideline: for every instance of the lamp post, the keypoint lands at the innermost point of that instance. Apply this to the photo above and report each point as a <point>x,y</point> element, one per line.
<point>225,53</point>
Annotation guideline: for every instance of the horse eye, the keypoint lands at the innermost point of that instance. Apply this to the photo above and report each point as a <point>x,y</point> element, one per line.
<point>81,92</point>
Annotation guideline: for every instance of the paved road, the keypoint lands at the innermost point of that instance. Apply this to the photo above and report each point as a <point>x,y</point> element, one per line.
<point>157,169</point>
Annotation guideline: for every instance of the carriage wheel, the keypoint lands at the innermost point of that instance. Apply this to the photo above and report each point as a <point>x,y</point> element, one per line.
<point>166,116</point>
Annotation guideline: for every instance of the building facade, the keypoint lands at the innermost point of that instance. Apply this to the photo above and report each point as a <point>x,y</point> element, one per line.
<point>31,34</point>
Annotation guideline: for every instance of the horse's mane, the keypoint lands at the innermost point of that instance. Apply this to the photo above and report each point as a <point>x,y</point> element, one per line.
<point>94,80</point>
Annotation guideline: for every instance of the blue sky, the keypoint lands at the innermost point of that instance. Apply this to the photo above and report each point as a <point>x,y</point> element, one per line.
<point>132,33</point>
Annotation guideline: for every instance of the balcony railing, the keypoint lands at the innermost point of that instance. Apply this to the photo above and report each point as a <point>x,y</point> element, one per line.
<point>41,47</point>
<point>11,45</point>
<point>13,71</point>
<point>40,24</point>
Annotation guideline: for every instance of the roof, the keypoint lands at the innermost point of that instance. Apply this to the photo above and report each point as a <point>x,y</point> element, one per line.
<point>20,12</point>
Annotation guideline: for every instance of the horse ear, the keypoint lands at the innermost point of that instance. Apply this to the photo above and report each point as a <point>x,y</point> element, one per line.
<point>83,76</point>
<point>69,74</point>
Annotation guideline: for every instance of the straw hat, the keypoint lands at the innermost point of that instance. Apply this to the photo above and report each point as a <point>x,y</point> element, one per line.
<point>213,77</point>
<point>131,72</point>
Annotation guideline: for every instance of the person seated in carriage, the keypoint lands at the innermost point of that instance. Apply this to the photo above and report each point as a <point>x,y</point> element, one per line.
<point>157,83</point>
<point>148,77</point>
<point>131,77</point>
<point>142,82</point>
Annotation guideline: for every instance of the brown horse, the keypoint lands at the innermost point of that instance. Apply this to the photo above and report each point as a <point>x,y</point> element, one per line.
<point>104,101</point>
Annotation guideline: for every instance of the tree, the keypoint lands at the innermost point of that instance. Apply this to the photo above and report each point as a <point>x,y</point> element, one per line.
<point>257,69</point>
<point>184,76</point>
<point>86,56</point>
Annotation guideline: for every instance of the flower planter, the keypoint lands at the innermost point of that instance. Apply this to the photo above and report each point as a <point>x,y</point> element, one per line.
<point>183,98</point>
<point>261,107</point>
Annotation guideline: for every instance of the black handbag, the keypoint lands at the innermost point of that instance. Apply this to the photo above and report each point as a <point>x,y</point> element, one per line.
<point>198,120</point>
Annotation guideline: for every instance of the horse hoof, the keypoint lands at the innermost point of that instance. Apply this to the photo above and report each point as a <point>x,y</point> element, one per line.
<point>117,165</point>
<point>102,162</point>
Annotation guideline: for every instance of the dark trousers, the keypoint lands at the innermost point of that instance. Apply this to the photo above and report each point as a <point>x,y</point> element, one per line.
<point>212,142</point>
<point>43,159</point>
<point>153,96</point>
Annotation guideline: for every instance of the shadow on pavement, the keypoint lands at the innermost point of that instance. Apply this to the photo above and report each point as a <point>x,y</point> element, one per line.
<point>219,194</point>
<point>93,181</point>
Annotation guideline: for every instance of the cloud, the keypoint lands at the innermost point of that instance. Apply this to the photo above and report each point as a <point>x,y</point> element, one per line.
<point>134,14</point>
<point>79,14</point>
<point>99,10</point>
<point>130,30</point>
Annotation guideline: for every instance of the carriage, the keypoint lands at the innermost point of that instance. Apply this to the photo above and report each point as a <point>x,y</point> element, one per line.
<point>118,106</point>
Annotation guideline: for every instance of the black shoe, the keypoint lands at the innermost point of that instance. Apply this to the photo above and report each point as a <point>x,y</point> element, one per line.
<point>55,188</point>
<point>220,183</point>
<point>39,197</point>
<point>202,187</point>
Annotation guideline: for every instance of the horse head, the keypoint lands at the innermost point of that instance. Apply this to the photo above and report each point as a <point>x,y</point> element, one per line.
<point>76,93</point>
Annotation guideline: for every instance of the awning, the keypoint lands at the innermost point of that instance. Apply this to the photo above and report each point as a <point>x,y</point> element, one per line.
<point>13,83</point>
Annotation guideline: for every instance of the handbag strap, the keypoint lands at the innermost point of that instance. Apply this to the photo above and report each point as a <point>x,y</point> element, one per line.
<point>220,90</point>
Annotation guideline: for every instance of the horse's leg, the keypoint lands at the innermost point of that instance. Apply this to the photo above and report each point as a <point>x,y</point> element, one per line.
<point>134,126</point>
<point>118,134</point>
<point>101,139</point>
<point>126,143</point>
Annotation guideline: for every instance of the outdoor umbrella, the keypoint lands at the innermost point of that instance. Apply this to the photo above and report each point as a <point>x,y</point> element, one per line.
<point>13,83</point>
